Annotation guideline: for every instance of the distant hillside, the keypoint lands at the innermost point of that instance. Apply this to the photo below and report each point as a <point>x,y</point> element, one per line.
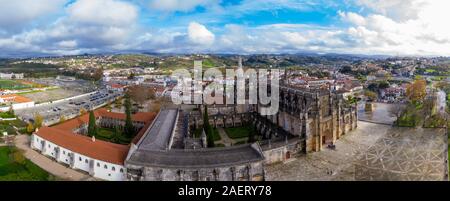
<point>30,69</point>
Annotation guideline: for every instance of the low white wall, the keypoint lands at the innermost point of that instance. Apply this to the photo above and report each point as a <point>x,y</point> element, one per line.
<point>18,106</point>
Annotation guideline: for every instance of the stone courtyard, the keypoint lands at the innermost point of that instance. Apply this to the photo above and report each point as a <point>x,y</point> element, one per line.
<point>372,152</point>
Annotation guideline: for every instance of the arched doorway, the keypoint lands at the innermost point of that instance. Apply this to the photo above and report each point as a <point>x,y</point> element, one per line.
<point>288,155</point>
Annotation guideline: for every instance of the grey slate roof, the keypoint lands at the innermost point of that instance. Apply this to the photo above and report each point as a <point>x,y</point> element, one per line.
<point>160,132</point>
<point>198,158</point>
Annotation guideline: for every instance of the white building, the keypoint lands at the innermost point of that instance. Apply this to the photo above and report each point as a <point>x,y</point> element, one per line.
<point>100,159</point>
<point>11,76</point>
<point>16,101</point>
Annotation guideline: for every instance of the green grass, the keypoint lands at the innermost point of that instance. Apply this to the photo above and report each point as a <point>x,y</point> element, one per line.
<point>239,132</point>
<point>6,115</point>
<point>216,135</point>
<point>29,92</point>
<point>11,84</point>
<point>10,170</point>
<point>208,63</point>
<point>106,134</point>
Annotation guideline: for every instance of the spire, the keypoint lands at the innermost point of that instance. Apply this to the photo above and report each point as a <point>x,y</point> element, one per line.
<point>240,62</point>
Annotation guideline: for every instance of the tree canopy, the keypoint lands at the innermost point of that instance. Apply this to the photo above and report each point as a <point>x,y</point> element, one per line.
<point>416,92</point>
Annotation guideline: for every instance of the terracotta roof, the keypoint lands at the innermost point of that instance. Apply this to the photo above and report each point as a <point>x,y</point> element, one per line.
<point>15,98</point>
<point>102,112</point>
<point>101,150</point>
<point>117,86</point>
<point>140,116</point>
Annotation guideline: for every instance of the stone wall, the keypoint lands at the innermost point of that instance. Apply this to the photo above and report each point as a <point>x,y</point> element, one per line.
<point>244,172</point>
<point>282,151</point>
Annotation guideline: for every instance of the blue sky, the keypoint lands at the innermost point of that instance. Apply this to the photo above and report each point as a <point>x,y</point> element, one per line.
<point>62,27</point>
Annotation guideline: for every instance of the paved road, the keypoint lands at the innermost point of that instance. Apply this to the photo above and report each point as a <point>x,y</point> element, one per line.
<point>54,168</point>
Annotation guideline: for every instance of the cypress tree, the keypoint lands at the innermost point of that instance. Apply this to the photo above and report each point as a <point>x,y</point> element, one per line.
<point>92,128</point>
<point>129,128</point>
<point>116,135</point>
<point>208,129</point>
<point>252,134</point>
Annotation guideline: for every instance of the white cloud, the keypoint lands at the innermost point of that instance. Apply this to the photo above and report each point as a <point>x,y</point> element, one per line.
<point>425,33</point>
<point>180,5</point>
<point>199,34</point>
<point>96,23</point>
<point>89,25</point>
<point>103,12</point>
<point>16,14</point>
<point>396,9</point>
<point>414,27</point>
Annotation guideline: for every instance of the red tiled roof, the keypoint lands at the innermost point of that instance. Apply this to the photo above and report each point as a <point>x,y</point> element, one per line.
<point>117,86</point>
<point>15,98</point>
<point>101,150</point>
<point>102,112</point>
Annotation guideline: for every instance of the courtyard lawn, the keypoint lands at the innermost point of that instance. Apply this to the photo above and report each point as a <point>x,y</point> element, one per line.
<point>11,85</point>
<point>14,167</point>
<point>239,132</point>
<point>216,135</point>
<point>106,134</point>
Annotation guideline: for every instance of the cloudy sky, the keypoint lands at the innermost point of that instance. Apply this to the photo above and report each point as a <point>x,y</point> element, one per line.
<point>63,27</point>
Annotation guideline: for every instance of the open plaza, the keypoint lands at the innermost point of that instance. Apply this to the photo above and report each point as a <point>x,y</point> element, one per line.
<point>373,152</point>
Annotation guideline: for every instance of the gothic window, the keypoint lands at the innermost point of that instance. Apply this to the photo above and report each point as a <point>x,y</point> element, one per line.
<point>79,158</point>
<point>113,169</point>
<point>106,167</point>
<point>121,170</point>
<point>98,164</point>
<point>86,160</point>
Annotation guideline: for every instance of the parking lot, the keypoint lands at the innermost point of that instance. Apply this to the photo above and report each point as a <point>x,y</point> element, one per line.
<point>79,85</point>
<point>51,95</point>
<point>70,108</point>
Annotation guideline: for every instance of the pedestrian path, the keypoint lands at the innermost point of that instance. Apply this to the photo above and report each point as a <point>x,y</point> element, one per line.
<point>227,141</point>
